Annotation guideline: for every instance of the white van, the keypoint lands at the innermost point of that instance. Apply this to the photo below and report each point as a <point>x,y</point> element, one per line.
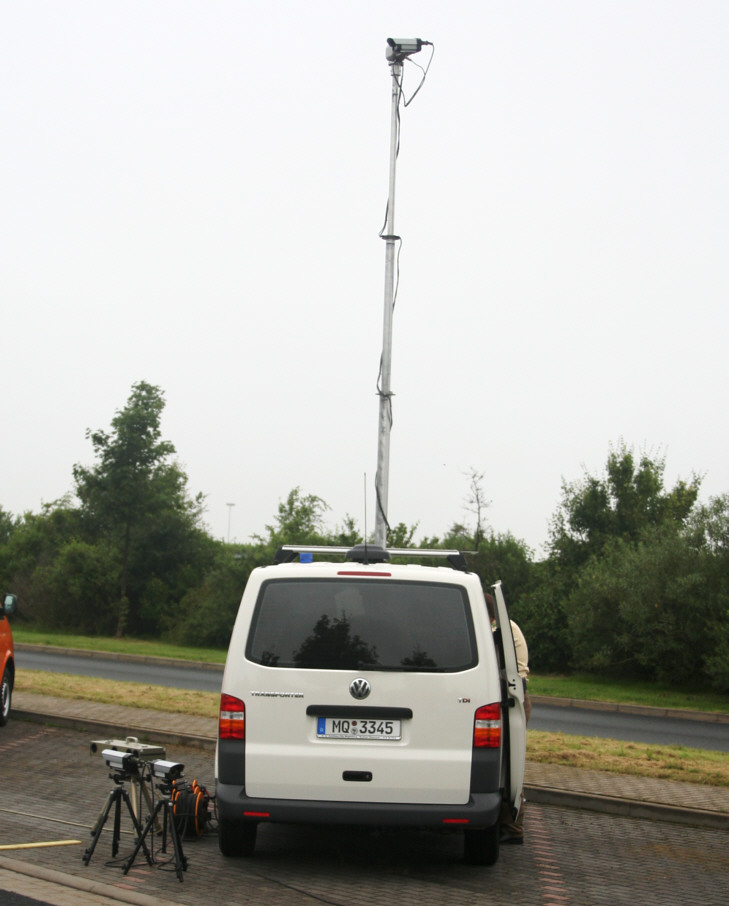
<point>369,693</point>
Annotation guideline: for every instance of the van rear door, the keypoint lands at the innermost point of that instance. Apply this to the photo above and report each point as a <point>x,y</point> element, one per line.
<point>515,715</point>
<point>333,651</point>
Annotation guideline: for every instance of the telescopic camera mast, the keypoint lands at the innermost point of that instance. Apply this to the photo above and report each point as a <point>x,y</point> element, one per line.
<point>396,52</point>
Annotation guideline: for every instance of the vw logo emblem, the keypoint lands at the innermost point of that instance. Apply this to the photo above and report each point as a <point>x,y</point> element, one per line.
<point>359,688</point>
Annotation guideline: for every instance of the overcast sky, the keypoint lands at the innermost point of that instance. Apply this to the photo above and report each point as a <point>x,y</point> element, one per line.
<point>191,195</point>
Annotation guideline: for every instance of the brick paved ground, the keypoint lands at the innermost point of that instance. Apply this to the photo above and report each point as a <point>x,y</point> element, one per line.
<point>52,789</point>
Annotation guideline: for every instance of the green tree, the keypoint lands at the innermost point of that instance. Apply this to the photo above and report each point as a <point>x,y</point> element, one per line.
<point>645,609</point>
<point>208,609</point>
<point>30,549</point>
<point>299,520</point>
<point>80,587</point>
<point>347,535</point>
<point>502,557</point>
<point>401,535</point>
<point>7,524</point>
<point>710,523</point>
<point>477,504</point>
<point>599,523</point>
<point>710,528</point>
<point>627,499</point>
<point>461,536</point>
<point>540,613</point>
<point>135,499</point>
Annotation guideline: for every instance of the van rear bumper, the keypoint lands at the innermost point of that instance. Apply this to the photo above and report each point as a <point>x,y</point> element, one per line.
<point>481,810</point>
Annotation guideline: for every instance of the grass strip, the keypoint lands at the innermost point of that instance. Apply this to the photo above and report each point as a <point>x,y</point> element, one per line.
<point>113,692</point>
<point>633,758</point>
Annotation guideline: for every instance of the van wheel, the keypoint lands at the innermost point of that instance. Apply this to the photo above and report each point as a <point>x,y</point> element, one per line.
<point>6,694</point>
<point>237,838</point>
<point>481,847</point>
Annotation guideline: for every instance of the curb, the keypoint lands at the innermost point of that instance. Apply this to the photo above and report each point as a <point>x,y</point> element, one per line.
<point>627,808</point>
<point>105,728</point>
<point>74,882</point>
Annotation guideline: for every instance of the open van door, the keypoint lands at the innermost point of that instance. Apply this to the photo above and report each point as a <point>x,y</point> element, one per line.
<point>514,710</point>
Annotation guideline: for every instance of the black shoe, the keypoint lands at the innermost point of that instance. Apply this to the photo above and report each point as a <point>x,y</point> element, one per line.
<point>512,840</point>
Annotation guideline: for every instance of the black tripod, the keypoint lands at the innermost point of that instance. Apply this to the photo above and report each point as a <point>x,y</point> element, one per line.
<point>115,798</point>
<point>165,807</point>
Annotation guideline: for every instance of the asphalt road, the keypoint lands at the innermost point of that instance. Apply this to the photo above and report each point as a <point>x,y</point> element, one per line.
<point>575,721</point>
<point>175,676</point>
<point>631,727</point>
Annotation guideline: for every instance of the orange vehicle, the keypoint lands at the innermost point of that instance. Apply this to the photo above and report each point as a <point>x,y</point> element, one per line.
<point>7,657</point>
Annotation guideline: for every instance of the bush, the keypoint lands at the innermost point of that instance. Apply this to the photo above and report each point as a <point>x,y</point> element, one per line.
<point>207,613</point>
<point>717,664</point>
<point>540,613</point>
<point>81,586</point>
<point>644,609</point>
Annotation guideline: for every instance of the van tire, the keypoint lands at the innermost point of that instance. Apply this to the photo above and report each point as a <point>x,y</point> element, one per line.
<point>481,846</point>
<point>237,838</point>
<point>6,694</point>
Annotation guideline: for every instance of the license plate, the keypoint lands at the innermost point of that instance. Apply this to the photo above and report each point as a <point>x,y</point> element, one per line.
<point>357,728</point>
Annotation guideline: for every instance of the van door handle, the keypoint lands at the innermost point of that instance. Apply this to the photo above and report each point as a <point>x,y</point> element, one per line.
<point>357,776</point>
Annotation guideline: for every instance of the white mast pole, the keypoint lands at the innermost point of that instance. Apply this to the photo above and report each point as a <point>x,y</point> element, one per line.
<point>382,477</point>
<point>398,49</point>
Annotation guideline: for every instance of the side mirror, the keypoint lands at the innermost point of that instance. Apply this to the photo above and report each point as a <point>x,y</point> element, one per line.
<point>10,605</point>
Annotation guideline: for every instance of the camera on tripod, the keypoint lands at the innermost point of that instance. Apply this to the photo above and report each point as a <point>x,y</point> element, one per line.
<point>123,763</point>
<point>167,770</point>
<point>127,757</point>
<point>140,764</point>
<point>128,765</point>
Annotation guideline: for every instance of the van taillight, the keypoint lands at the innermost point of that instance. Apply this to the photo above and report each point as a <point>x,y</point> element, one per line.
<point>487,726</point>
<point>232,720</point>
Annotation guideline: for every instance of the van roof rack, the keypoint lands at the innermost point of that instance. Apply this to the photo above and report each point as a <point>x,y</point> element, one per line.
<point>371,553</point>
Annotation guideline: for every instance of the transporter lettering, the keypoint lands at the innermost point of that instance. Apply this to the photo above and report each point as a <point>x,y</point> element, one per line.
<point>277,694</point>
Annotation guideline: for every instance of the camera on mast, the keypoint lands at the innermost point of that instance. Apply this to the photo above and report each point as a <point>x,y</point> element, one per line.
<point>399,48</point>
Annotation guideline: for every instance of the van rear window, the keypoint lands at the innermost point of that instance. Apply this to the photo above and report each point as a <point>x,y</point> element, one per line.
<point>333,624</point>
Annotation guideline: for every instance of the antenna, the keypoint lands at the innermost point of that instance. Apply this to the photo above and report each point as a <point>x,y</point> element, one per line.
<point>398,50</point>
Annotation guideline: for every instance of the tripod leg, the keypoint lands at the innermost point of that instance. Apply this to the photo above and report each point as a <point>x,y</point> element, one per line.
<point>180,860</point>
<point>140,844</point>
<point>117,828</point>
<point>99,826</point>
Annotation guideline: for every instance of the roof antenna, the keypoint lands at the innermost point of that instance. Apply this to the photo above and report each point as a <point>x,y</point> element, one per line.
<point>365,517</point>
